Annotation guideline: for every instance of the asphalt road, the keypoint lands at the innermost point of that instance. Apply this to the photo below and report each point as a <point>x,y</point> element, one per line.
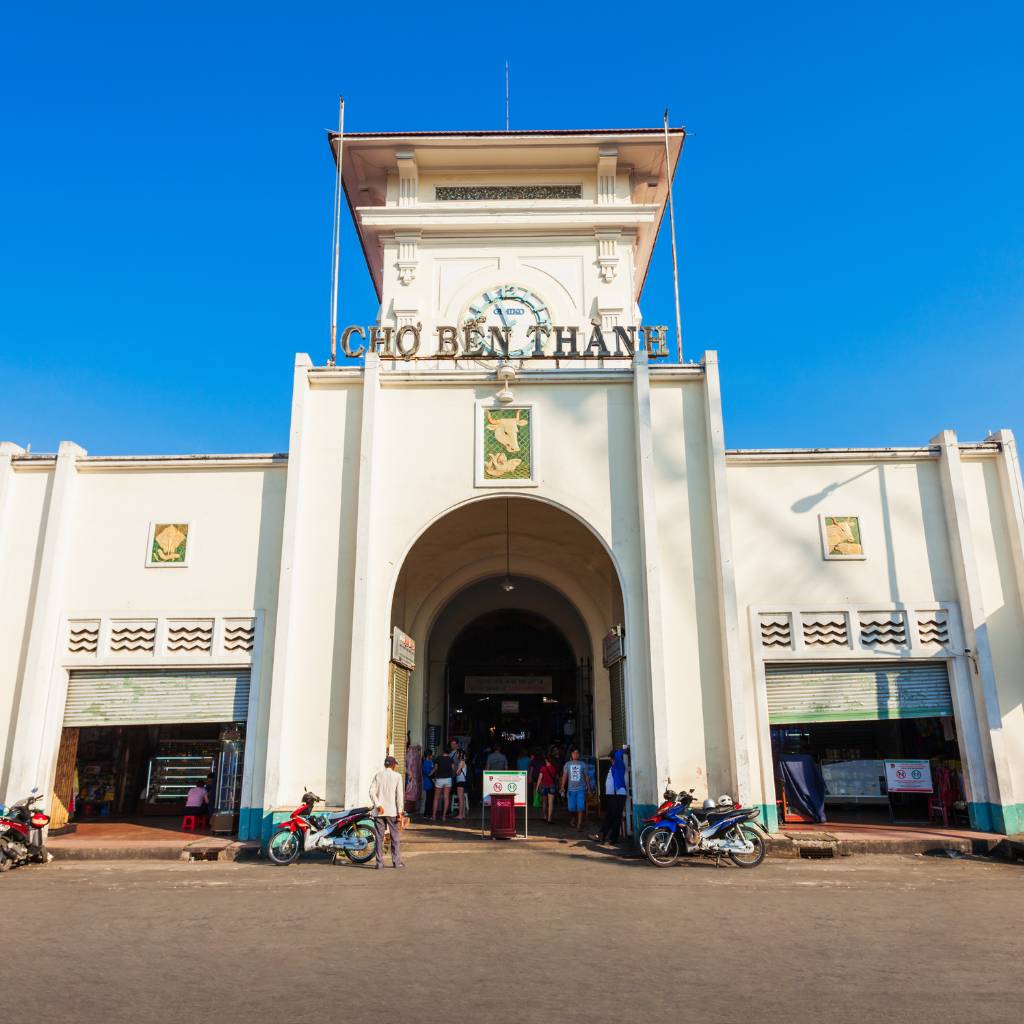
<point>506,933</point>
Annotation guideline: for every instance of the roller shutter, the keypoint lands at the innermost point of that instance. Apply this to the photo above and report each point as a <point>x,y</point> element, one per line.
<point>156,698</point>
<point>843,693</point>
<point>398,712</point>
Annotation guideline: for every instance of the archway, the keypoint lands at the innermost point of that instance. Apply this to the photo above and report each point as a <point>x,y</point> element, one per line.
<point>521,613</point>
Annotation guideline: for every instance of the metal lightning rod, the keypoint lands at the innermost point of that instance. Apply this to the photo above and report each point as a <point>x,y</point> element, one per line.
<point>336,235</point>
<point>672,227</point>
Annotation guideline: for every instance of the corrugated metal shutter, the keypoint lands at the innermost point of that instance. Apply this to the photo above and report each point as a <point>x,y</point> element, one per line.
<point>398,712</point>
<point>617,687</point>
<point>857,692</point>
<point>156,698</point>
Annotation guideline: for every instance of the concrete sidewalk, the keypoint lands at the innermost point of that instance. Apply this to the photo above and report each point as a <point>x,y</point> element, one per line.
<point>131,841</point>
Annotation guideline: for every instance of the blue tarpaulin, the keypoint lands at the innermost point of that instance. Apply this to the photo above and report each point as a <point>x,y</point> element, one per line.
<point>805,788</point>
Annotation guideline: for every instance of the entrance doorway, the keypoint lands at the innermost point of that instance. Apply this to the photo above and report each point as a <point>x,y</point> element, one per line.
<point>514,684</point>
<point>508,600</point>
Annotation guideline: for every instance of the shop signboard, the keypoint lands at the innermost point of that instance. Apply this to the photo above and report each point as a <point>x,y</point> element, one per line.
<point>507,783</point>
<point>611,648</point>
<point>403,649</point>
<point>908,776</point>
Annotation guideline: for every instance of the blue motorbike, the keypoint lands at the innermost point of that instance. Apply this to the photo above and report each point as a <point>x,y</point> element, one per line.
<point>678,829</point>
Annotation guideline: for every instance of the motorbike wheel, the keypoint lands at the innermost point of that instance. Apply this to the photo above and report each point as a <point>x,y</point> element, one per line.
<point>5,863</point>
<point>284,847</point>
<point>363,831</point>
<point>751,835</point>
<point>41,856</point>
<point>662,848</point>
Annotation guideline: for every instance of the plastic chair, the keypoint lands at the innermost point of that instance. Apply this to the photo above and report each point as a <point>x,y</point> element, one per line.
<point>193,822</point>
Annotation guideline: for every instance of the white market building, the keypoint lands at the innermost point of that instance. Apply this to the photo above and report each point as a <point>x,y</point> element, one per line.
<point>163,615</point>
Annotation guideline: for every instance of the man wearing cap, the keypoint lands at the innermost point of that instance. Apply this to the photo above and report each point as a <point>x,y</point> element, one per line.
<point>386,793</point>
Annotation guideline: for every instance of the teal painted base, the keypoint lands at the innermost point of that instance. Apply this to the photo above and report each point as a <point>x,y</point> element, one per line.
<point>641,811</point>
<point>1007,819</point>
<point>769,816</point>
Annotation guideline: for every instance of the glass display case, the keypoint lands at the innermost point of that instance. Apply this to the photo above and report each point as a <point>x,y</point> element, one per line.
<point>172,776</point>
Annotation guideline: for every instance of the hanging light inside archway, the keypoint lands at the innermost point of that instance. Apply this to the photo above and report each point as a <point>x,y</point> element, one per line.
<point>506,584</point>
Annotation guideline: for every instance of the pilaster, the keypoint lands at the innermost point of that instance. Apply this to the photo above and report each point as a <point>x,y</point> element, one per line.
<point>44,683</point>
<point>287,614</point>
<point>361,752</point>
<point>1013,504</point>
<point>968,581</point>
<point>7,451</point>
<point>728,613</point>
<point>650,586</point>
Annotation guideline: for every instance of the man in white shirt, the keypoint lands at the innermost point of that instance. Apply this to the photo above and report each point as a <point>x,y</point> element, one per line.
<point>386,794</point>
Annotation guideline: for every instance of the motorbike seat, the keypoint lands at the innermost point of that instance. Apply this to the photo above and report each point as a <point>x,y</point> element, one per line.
<point>352,810</point>
<point>725,812</point>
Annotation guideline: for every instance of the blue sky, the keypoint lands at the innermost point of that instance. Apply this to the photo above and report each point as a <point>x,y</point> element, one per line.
<point>849,204</point>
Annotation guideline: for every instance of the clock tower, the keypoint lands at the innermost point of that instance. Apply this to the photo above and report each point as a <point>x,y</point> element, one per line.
<point>508,230</point>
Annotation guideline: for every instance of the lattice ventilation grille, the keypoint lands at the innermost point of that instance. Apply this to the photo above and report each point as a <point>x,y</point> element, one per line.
<point>825,630</point>
<point>933,628</point>
<point>883,629</point>
<point>499,193</point>
<point>239,634</point>
<point>776,631</point>
<point>83,636</point>
<point>128,637</point>
<point>189,636</point>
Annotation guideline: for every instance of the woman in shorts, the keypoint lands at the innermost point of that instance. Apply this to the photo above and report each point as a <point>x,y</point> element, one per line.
<point>442,784</point>
<point>547,786</point>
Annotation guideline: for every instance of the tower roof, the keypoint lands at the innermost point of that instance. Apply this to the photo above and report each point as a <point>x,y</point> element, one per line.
<point>370,159</point>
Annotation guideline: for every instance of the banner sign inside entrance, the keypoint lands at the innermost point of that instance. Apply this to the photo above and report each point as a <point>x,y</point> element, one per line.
<point>908,776</point>
<point>403,649</point>
<point>510,707</point>
<point>508,684</point>
<point>505,783</point>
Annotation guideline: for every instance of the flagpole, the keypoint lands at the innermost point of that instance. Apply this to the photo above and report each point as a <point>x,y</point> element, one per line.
<point>336,234</point>
<point>672,227</point>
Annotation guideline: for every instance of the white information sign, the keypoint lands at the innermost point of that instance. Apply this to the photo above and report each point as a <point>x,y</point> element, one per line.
<point>508,783</point>
<point>908,776</point>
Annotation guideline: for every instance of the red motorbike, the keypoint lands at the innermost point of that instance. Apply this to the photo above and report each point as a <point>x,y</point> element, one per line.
<point>21,840</point>
<point>352,833</point>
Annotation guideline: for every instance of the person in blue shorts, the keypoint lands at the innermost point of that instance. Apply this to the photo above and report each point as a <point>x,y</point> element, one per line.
<point>576,786</point>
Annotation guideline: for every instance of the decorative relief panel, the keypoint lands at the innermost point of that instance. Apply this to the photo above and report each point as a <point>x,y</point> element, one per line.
<point>189,635</point>
<point>132,637</point>
<point>883,629</point>
<point>776,631</point>
<point>83,636</point>
<point>239,635</point>
<point>933,628</point>
<point>822,629</point>
<point>201,640</point>
<point>498,193</point>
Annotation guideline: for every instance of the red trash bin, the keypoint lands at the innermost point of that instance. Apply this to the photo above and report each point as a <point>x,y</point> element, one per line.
<point>503,816</point>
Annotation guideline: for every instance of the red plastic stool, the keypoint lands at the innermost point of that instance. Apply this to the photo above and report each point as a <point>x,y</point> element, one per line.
<point>191,822</point>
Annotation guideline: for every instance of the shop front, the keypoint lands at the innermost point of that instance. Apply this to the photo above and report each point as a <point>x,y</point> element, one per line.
<point>865,743</point>
<point>134,743</point>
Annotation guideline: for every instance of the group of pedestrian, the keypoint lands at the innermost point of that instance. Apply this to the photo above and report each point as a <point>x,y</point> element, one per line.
<point>445,774</point>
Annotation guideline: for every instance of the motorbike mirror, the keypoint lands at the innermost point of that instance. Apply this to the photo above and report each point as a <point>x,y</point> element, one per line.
<point>35,789</point>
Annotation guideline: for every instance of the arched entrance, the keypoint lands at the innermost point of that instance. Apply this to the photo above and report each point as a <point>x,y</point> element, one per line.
<point>508,599</point>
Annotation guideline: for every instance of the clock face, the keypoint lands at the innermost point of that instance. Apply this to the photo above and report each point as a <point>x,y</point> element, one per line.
<point>512,306</point>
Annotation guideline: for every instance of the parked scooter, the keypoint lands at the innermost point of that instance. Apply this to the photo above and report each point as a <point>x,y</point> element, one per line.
<point>352,832</point>
<point>21,836</point>
<point>715,830</point>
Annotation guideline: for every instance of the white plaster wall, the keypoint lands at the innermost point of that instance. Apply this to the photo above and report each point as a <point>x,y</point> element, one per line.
<point>697,725</point>
<point>1003,613</point>
<point>235,538</point>
<point>314,689</point>
<point>20,549</point>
